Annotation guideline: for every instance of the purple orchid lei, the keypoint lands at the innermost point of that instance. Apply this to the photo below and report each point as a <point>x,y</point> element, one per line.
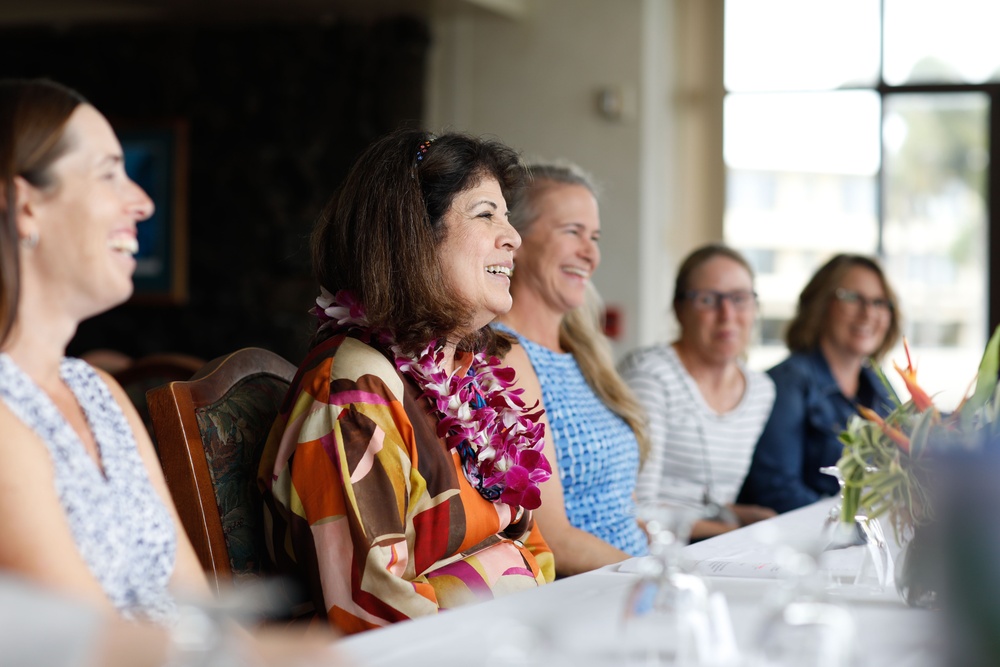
<point>498,439</point>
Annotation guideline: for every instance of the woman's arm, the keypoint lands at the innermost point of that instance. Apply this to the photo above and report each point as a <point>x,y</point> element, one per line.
<point>748,514</point>
<point>745,514</point>
<point>37,540</point>
<point>706,528</point>
<point>188,580</point>
<point>775,478</point>
<point>574,550</point>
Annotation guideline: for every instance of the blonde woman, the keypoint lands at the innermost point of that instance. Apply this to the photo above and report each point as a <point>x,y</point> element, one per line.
<point>593,423</point>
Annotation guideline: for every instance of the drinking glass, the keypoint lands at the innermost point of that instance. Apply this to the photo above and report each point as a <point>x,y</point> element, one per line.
<point>666,619</point>
<point>801,626</point>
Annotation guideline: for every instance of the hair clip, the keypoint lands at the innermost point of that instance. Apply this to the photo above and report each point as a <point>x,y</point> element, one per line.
<point>422,150</point>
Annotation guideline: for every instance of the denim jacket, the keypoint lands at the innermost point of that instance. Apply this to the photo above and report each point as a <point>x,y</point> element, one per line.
<point>801,435</point>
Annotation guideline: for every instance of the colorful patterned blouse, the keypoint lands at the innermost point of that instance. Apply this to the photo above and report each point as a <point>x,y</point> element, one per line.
<point>366,504</point>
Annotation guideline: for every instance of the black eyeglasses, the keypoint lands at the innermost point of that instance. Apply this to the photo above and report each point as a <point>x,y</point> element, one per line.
<point>707,299</point>
<point>852,298</point>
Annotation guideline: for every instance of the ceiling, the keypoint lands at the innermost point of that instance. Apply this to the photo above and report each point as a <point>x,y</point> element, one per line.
<point>74,12</point>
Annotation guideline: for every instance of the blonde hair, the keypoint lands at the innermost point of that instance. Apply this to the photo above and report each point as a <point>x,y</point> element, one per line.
<point>581,334</point>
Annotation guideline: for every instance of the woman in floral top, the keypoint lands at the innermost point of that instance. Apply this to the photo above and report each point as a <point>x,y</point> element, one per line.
<point>85,509</point>
<point>400,476</point>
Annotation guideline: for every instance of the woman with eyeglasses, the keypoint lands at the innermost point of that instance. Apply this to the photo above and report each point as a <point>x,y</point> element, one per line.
<point>706,409</point>
<point>846,320</point>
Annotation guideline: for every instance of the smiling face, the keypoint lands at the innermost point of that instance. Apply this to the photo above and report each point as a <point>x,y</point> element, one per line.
<point>560,251</point>
<point>857,327</point>
<point>86,221</point>
<point>719,334</point>
<point>477,254</point>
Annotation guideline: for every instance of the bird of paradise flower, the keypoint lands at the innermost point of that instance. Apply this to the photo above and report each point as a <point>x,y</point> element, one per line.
<point>887,465</point>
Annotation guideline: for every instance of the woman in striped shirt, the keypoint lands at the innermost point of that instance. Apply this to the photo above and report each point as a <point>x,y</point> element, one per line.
<point>706,409</point>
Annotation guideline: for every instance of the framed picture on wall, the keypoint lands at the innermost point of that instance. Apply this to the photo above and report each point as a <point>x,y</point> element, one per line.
<point>156,157</point>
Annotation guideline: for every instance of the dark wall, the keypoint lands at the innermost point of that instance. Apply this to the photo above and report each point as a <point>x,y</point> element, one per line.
<point>276,115</point>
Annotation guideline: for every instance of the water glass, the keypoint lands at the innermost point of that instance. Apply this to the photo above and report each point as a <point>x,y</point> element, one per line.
<point>666,620</point>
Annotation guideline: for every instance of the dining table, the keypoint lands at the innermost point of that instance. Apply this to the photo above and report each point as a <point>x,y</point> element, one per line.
<point>578,620</point>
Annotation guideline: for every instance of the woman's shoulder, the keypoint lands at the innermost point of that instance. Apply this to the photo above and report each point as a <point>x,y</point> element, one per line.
<point>544,360</point>
<point>16,432</point>
<point>652,355</point>
<point>25,447</point>
<point>796,363</point>
<point>526,342</point>
<point>800,369</point>
<point>348,358</point>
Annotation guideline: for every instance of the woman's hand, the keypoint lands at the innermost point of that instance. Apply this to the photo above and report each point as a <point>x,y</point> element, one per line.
<point>748,514</point>
<point>706,528</point>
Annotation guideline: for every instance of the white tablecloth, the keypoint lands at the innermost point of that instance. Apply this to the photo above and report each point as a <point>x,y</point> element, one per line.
<point>575,621</point>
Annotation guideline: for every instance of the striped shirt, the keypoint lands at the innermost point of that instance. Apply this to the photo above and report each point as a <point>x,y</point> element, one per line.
<point>692,447</point>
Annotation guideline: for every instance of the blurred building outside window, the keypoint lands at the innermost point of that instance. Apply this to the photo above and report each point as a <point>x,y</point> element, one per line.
<point>859,126</point>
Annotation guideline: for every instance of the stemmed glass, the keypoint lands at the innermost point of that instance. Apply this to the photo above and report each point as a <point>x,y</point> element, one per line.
<point>800,626</point>
<point>666,618</point>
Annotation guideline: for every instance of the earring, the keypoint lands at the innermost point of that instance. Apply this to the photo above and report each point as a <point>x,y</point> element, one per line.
<point>30,241</point>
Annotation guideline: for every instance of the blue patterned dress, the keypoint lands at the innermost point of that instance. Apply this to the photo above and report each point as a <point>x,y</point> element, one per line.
<point>123,530</point>
<point>596,451</point>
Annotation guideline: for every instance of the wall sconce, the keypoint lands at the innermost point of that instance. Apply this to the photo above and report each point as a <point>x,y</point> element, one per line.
<point>616,103</point>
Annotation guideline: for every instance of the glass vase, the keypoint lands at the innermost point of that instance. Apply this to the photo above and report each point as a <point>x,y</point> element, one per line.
<point>918,574</point>
<point>861,542</point>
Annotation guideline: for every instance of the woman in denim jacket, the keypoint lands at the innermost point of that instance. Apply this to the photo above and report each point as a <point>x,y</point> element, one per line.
<point>847,319</point>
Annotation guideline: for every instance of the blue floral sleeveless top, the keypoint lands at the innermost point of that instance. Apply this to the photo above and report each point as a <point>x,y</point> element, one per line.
<point>123,531</point>
<point>596,451</point>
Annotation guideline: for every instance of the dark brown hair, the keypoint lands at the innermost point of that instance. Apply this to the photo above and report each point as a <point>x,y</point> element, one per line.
<point>810,317</point>
<point>380,233</point>
<point>699,256</point>
<point>33,116</point>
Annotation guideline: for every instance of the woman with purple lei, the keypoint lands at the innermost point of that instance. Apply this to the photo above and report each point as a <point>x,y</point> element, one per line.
<point>401,474</point>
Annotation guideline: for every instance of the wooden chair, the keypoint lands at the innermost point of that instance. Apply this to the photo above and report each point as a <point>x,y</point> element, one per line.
<point>211,431</point>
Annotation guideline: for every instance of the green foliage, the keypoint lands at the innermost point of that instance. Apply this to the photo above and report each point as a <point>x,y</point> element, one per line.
<point>986,383</point>
<point>883,477</point>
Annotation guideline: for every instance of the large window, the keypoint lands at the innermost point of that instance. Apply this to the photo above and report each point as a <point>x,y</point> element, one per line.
<point>863,126</point>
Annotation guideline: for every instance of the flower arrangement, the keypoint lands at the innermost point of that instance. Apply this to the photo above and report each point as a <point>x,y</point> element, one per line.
<point>887,465</point>
<point>499,439</point>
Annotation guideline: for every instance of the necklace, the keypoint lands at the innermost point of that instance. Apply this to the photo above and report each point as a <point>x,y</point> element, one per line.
<point>498,439</point>
<point>713,510</point>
